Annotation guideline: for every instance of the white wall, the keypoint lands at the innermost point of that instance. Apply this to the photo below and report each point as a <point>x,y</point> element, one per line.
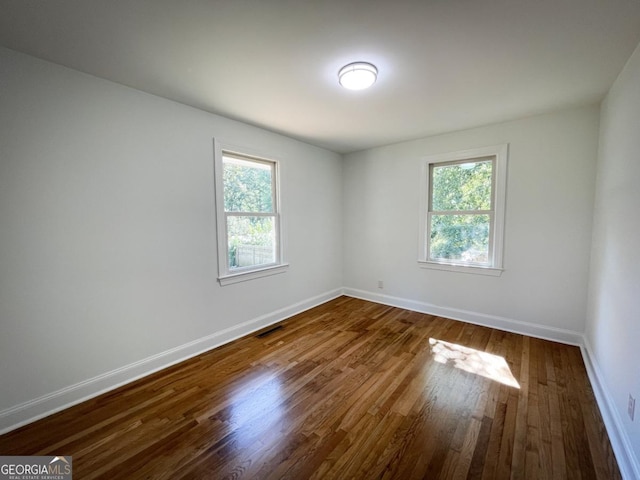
<point>613,324</point>
<point>107,229</point>
<point>550,186</point>
<point>107,233</point>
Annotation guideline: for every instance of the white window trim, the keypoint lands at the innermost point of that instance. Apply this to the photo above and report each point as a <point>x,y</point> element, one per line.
<point>226,277</point>
<point>499,197</point>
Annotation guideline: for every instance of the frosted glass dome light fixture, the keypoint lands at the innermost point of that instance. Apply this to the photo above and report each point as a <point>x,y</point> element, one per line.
<point>358,75</point>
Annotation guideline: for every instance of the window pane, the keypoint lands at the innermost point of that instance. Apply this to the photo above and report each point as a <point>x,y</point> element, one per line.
<point>251,241</point>
<point>247,185</point>
<point>460,237</point>
<point>463,186</point>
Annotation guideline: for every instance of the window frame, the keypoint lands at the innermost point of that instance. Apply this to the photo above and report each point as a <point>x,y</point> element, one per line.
<point>496,214</point>
<point>227,276</point>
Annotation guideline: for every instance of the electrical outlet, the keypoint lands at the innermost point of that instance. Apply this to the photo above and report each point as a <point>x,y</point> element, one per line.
<point>380,284</point>
<point>631,408</point>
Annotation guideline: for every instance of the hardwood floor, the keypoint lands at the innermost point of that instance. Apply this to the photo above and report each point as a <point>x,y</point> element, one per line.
<point>349,389</point>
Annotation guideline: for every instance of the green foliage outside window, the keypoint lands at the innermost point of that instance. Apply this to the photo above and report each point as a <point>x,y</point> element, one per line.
<point>460,199</point>
<point>248,188</point>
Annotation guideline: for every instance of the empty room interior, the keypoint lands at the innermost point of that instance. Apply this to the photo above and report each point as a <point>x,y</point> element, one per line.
<point>333,239</point>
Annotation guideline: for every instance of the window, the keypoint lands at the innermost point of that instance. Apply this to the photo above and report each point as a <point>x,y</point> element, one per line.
<point>462,211</point>
<point>249,243</point>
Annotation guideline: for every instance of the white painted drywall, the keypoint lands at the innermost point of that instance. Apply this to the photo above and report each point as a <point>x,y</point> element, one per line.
<point>613,317</point>
<point>551,176</point>
<point>107,228</point>
<point>107,234</point>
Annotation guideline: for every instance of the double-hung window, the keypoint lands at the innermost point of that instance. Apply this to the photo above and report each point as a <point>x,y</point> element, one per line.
<point>462,211</point>
<point>247,201</point>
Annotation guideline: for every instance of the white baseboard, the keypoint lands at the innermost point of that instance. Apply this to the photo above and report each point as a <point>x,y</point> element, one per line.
<point>32,410</point>
<point>627,460</point>
<point>501,323</point>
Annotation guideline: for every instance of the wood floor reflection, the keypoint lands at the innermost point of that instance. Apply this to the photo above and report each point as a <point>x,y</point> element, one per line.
<point>349,389</point>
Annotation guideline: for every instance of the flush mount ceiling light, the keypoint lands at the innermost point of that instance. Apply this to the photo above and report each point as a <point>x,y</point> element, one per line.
<point>358,75</point>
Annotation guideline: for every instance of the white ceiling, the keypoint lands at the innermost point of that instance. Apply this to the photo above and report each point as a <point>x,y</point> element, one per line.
<point>444,64</point>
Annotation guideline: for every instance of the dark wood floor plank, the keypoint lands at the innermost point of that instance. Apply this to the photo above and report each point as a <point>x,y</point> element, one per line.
<point>349,389</point>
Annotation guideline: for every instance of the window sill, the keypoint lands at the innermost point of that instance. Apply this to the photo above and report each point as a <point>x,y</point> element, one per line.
<point>449,267</point>
<point>252,274</point>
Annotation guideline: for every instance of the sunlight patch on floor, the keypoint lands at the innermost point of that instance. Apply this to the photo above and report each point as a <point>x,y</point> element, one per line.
<point>470,360</point>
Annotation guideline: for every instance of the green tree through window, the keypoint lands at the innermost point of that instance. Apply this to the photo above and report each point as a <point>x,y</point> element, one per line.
<point>460,211</point>
<point>249,210</point>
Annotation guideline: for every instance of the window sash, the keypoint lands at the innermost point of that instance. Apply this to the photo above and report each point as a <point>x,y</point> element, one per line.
<point>227,275</point>
<point>434,165</point>
<point>490,254</point>
<point>470,212</point>
<point>276,227</point>
<point>274,180</point>
<point>498,154</point>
